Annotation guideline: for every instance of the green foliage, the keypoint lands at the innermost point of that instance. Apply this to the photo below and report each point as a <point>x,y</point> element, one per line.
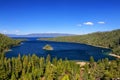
<point>102,39</point>
<point>102,70</point>
<point>91,62</point>
<point>35,68</point>
<point>6,43</point>
<point>65,77</point>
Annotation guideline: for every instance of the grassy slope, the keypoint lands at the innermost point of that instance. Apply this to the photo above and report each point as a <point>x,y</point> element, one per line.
<point>109,39</point>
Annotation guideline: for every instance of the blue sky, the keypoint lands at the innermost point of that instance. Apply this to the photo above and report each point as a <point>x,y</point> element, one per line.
<point>59,16</point>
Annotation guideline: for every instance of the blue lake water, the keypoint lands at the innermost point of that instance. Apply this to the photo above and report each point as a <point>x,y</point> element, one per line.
<point>71,51</point>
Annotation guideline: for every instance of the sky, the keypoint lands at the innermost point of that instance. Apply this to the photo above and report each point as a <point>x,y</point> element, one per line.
<point>59,16</point>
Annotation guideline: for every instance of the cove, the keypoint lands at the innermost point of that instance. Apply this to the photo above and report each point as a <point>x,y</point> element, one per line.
<point>71,51</point>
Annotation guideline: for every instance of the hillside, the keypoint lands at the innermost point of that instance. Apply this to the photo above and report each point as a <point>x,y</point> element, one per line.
<point>109,39</point>
<point>6,43</point>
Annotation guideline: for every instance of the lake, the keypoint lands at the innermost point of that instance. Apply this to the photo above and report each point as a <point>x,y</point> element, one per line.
<point>71,51</point>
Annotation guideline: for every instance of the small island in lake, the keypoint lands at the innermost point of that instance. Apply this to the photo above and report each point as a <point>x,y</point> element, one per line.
<point>48,47</point>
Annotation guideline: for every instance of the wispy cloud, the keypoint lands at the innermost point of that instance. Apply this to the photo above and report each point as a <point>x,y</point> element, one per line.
<point>79,24</point>
<point>101,22</point>
<point>4,31</point>
<point>88,23</point>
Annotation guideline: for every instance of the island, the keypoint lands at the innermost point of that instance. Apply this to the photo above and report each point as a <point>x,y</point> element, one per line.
<point>48,47</point>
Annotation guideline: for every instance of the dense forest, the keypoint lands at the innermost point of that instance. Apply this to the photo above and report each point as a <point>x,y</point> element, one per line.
<point>40,68</point>
<point>6,43</point>
<point>109,39</point>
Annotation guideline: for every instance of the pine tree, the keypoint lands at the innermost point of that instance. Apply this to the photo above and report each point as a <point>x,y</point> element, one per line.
<point>13,77</point>
<point>91,62</point>
<point>3,72</point>
<point>65,77</point>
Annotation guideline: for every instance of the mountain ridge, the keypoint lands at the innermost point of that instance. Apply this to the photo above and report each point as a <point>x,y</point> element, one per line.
<point>40,35</point>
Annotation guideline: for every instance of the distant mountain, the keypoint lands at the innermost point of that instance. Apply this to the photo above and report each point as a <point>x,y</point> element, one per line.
<point>40,35</point>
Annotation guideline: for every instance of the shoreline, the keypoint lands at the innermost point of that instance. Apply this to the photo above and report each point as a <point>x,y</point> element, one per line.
<point>77,43</point>
<point>81,63</point>
<point>7,50</point>
<point>114,55</point>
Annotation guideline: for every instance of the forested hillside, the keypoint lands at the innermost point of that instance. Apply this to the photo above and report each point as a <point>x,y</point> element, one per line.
<point>109,39</point>
<point>6,43</point>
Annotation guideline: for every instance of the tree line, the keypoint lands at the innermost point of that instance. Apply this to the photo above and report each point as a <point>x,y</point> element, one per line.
<point>6,43</point>
<point>109,39</point>
<point>40,68</point>
<point>37,68</point>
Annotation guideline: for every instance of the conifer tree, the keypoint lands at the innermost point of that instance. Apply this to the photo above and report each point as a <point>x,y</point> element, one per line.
<point>13,77</point>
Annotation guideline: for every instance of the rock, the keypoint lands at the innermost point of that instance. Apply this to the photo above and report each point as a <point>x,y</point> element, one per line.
<point>48,47</point>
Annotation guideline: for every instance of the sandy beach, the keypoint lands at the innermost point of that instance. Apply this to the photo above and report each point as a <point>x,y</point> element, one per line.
<point>114,55</point>
<point>81,63</point>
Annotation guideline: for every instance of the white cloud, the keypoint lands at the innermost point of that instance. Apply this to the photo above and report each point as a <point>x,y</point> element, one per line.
<point>88,23</point>
<point>101,22</point>
<point>79,24</point>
